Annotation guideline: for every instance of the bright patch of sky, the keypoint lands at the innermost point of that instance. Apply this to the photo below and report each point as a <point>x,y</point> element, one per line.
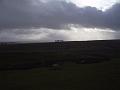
<point>99,4</point>
<point>48,35</point>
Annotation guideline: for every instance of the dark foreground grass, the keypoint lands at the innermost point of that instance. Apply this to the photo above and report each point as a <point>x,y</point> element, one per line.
<point>97,76</point>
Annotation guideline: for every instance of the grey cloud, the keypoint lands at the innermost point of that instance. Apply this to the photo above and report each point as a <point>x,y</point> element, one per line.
<point>45,35</point>
<point>31,35</point>
<point>55,14</point>
<point>112,17</point>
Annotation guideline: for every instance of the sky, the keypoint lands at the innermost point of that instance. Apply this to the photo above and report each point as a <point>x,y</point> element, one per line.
<point>49,20</point>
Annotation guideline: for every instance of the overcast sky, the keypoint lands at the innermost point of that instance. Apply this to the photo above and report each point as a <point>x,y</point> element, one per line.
<point>48,20</point>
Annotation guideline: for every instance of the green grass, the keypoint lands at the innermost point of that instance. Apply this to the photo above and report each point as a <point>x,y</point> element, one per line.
<point>100,76</point>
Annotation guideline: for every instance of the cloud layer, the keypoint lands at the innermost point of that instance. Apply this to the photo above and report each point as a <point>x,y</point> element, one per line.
<point>55,14</point>
<point>45,35</point>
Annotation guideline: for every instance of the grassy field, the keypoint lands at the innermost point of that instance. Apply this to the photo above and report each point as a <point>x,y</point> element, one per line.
<point>13,56</point>
<point>26,66</point>
<point>99,76</point>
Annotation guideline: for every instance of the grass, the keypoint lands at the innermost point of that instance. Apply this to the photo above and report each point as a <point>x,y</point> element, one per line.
<point>97,76</point>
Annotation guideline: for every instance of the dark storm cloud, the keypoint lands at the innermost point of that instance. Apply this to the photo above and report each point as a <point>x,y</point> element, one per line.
<point>112,17</point>
<point>55,14</point>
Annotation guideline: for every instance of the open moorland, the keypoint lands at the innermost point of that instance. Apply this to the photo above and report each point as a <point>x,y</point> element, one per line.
<point>73,65</point>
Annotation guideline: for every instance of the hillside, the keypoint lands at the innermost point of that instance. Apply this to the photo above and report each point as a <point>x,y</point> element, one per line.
<point>45,54</point>
<point>97,76</point>
<point>87,65</point>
